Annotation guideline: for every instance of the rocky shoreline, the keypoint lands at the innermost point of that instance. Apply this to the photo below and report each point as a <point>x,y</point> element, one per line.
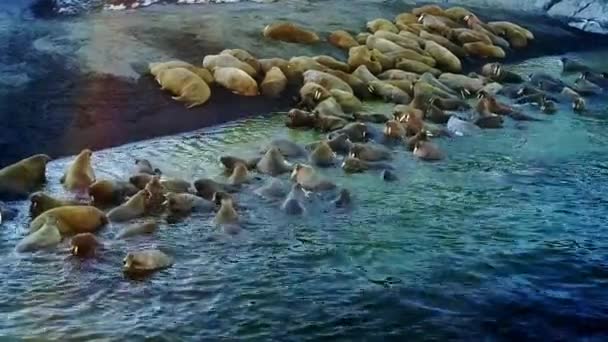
<point>84,83</point>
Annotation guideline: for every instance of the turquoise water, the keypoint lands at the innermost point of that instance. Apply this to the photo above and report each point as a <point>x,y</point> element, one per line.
<point>505,239</point>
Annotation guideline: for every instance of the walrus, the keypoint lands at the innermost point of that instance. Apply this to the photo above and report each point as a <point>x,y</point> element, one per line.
<point>393,129</point>
<point>474,23</point>
<point>326,80</point>
<point>410,142</point>
<point>488,103</point>
<point>48,235</point>
<point>359,86</point>
<point>413,124</point>
<point>435,83</point>
<point>293,203</point>
<point>268,63</point>
<point>339,144</point>
<point>226,213</point>
<point>364,74</point>
<point>356,165</point>
<point>362,56</point>
<point>311,94</point>
<point>322,155</point>
<point>547,106</point>
<point>273,189</point>
<point>370,117</point>
<point>290,33</point>
<point>144,166</point>
<point>396,74</point>
<point>484,50</point>
<point>400,40</point>
<point>244,56</point>
<point>457,13</point>
<point>330,107</point>
<point>18,180</point>
<point>213,62</point>
<point>309,179</point>
<point>236,80</point>
<point>355,132</point>
<point>332,63</point>
<point>389,93</point>
<point>106,191</point>
<point>206,187</point>
<point>297,118</point>
<point>382,45</point>
<point>428,151</point>
<point>41,202</point>
<point>381,24</point>
<point>405,18</point>
<point>570,65</point>
<point>435,114</point>
<point>444,57</point>
<point>498,73</point>
<point>143,262</point>
<point>446,43</point>
<point>507,28</point>
<point>185,85</point>
<point>79,175</point>
<point>286,147</point>
<point>516,39</point>
<point>273,163</point>
<point>342,40</point>
<point>274,83</point>
<point>599,79</point>
<point>385,61</point>
<point>169,184</point>
<point>579,105</point>
<point>586,88</point>
<point>426,90</point>
<point>84,245</point>
<point>347,101</point>
<point>486,118</point>
<point>146,227</point>
<point>155,192</point>
<point>465,35</point>
<point>400,112</point>
<point>370,152</point>
<point>299,64</point>
<point>73,219</point>
<point>433,23</point>
<point>135,207</point>
<point>328,123</point>
<point>416,67</point>
<point>361,37</point>
<point>239,175</point>
<point>203,73</point>
<point>229,162</point>
<point>187,203</point>
<point>458,82</point>
<point>406,86</point>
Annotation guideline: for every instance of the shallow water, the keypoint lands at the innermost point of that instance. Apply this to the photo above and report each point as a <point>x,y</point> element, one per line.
<point>504,239</point>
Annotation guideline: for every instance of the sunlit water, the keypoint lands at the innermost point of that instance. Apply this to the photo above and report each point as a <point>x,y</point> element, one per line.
<point>503,239</point>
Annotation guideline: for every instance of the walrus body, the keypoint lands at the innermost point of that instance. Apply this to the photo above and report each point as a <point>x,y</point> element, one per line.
<point>72,219</point>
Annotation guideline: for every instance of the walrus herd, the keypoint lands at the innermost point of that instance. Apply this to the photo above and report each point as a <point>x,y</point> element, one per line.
<point>414,61</point>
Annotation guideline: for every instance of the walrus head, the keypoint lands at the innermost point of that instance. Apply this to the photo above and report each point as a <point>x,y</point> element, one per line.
<point>83,245</point>
<point>482,94</point>
<point>353,165</point>
<point>220,197</point>
<point>465,93</point>
<point>421,17</point>
<point>583,75</point>
<point>579,105</point>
